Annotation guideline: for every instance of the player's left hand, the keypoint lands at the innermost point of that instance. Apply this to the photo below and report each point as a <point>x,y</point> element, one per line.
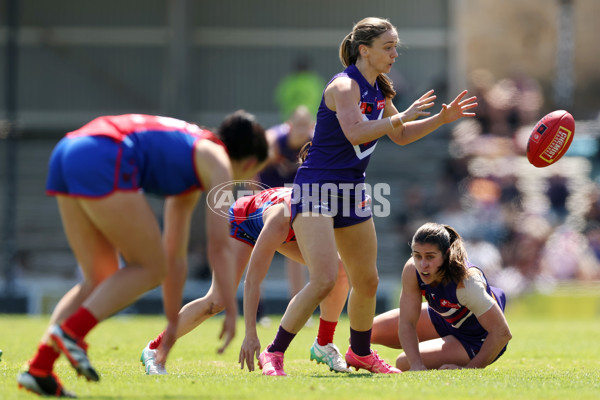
<point>458,107</point>
<point>417,109</point>
<point>450,366</point>
<point>250,349</point>
<point>228,330</point>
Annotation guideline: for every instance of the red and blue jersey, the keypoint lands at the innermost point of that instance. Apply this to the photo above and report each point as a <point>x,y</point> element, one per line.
<point>127,152</point>
<point>246,214</point>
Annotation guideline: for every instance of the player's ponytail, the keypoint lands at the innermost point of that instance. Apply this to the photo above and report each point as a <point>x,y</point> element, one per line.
<point>348,52</point>
<point>303,153</point>
<point>457,256</point>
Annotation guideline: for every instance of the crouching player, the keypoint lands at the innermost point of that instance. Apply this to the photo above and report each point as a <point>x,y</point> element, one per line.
<point>261,226</point>
<point>462,324</point>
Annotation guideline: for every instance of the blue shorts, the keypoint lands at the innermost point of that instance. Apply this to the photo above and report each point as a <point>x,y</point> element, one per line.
<point>90,166</point>
<point>471,342</point>
<point>327,199</point>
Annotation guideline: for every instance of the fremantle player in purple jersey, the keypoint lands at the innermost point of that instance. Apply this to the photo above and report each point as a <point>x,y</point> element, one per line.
<point>356,110</point>
<point>99,175</point>
<point>462,323</point>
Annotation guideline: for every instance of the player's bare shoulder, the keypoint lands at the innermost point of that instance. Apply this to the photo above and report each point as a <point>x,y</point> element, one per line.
<point>409,269</point>
<point>212,162</point>
<point>211,154</point>
<point>342,87</point>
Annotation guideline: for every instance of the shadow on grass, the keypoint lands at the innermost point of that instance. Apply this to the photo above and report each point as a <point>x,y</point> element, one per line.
<point>353,375</point>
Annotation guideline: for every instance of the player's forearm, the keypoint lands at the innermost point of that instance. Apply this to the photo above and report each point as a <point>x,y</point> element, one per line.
<point>410,344</point>
<point>251,300</point>
<point>367,131</point>
<point>412,131</point>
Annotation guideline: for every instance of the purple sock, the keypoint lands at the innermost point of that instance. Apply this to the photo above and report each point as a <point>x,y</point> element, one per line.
<point>360,342</point>
<point>281,342</point>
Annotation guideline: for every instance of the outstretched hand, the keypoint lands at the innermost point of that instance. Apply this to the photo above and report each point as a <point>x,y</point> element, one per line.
<point>228,330</point>
<point>250,349</point>
<point>417,109</point>
<point>458,107</point>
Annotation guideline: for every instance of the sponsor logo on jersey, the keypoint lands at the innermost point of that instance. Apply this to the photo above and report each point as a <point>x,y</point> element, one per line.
<point>366,108</point>
<point>448,304</point>
<point>380,104</point>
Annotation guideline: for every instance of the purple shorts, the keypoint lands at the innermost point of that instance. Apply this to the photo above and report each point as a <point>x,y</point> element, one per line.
<point>91,166</point>
<point>326,199</point>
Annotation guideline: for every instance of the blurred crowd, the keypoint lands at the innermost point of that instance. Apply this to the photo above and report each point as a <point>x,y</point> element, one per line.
<point>528,228</point>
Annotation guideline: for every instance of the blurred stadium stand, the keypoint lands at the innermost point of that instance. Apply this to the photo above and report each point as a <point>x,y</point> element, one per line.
<point>199,60</point>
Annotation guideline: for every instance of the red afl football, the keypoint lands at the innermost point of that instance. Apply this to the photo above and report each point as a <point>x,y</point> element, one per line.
<point>551,138</point>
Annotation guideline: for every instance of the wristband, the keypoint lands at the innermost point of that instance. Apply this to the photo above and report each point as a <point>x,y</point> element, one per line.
<point>390,119</point>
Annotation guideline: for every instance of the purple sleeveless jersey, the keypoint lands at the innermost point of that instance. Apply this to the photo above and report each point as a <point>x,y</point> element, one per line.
<point>449,317</point>
<point>332,158</point>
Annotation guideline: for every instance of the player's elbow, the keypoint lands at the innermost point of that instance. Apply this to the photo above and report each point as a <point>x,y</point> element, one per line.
<point>504,335</point>
<point>354,141</point>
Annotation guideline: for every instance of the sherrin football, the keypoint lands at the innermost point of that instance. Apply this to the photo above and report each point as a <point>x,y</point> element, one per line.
<point>551,138</point>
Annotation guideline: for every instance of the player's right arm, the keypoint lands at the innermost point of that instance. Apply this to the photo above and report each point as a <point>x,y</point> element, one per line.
<point>410,310</point>
<point>273,234</point>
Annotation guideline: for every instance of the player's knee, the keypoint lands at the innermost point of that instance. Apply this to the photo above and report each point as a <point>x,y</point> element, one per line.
<point>323,285</point>
<point>366,286</point>
<point>157,273</point>
<point>402,362</point>
<point>215,307</point>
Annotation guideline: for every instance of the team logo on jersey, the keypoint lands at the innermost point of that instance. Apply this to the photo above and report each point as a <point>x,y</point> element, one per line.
<point>380,104</point>
<point>366,108</point>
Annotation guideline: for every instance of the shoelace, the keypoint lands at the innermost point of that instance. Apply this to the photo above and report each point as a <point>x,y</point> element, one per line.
<point>334,354</point>
<point>381,362</point>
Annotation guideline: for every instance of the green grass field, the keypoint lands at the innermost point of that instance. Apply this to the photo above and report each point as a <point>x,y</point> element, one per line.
<point>554,354</point>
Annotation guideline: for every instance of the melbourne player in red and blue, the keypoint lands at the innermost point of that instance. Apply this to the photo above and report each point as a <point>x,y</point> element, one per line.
<point>260,223</point>
<point>246,215</point>
<point>99,175</point>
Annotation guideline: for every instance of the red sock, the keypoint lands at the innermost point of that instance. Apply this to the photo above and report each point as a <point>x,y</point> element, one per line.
<point>80,323</point>
<point>43,361</point>
<point>156,342</point>
<point>326,332</point>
